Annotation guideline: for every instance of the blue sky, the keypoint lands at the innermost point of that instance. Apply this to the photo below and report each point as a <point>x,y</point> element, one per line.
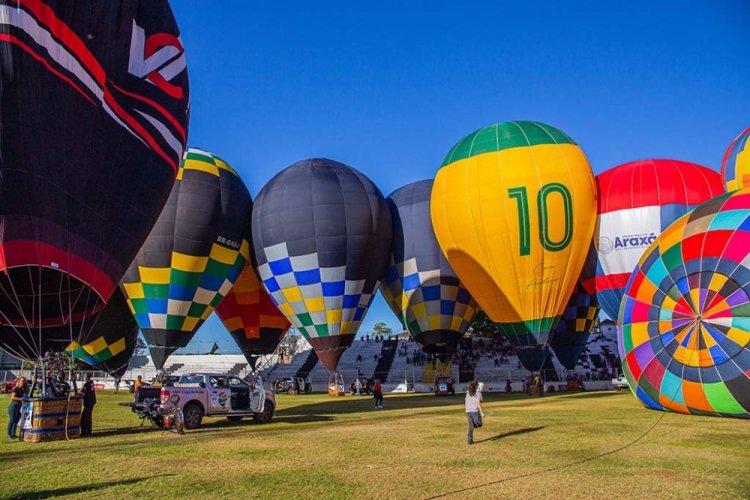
<point>389,89</point>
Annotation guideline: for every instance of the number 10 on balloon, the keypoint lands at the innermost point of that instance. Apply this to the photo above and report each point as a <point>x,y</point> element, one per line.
<point>520,195</point>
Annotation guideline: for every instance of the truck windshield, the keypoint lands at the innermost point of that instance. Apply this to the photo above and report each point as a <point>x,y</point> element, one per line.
<point>191,379</point>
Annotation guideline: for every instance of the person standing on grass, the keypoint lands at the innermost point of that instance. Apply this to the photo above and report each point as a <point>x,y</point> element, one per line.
<point>377,391</point>
<point>88,392</point>
<point>473,406</point>
<point>14,408</point>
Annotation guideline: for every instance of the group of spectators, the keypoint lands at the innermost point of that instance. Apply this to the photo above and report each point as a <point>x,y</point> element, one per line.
<point>54,387</point>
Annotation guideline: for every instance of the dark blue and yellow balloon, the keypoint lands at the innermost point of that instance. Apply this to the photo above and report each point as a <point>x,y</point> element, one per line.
<point>420,286</point>
<point>321,234</point>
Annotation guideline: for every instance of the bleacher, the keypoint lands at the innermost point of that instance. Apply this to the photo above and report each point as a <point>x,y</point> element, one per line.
<point>600,353</point>
<point>348,365</point>
<point>178,364</point>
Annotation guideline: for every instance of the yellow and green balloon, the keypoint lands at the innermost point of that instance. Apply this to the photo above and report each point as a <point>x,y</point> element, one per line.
<point>513,208</point>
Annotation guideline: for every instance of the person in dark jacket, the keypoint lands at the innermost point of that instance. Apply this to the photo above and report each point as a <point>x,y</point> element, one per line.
<point>88,393</point>
<point>377,391</point>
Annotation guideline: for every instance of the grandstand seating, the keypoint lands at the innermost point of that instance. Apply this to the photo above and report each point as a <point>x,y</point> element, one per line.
<point>387,353</point>
<point>601,352</point>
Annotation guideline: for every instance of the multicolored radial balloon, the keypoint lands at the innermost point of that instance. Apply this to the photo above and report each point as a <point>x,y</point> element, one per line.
<point>419,286</point>
<point>253,320</point>
<point>321,234</point>
<point>193,256</point>
<point>574,327</point>
<point>637,201</point>
<point>93,125</point>
<point>513,210</point>
<point>684,332</point>
<point>735,166</point>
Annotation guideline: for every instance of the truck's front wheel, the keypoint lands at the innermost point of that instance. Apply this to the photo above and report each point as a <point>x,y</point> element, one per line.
<point>193,415</point>
<point>266,415</point>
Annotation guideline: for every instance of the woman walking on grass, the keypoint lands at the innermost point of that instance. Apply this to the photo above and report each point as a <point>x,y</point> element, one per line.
<point>474,413</point>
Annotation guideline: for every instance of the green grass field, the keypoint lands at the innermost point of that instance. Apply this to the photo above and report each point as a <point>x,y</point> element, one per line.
<point>320,447</point>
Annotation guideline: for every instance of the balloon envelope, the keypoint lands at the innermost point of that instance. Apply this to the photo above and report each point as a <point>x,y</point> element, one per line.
<point>637,201</point>
<point>107,338</point>
<point>419,285</point>
<point>735,166</point>
<point>253,320</point>
<point>112,340</point>
<point>321,234</point>
<point>684,331</point>
<point>193,256</point>
<point>94,119</point>
<point>574,327</point>
<point>512,208</point>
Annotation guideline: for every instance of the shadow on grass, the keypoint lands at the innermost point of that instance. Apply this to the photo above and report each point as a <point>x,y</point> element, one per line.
<point>84,488</point>
<point>351,404</point>
<point>279,417</point>
<point>586,395</point>
<point>124,431</point>
<point>511,433</point>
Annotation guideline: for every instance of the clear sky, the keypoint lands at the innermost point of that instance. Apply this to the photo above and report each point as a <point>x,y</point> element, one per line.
<point>389,89</point>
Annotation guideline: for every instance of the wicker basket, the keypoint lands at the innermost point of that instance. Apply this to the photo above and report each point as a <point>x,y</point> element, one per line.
<point>51,419</point>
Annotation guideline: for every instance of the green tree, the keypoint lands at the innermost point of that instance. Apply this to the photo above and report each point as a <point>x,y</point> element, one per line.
<point>483,326</point>
<point>381,329</point>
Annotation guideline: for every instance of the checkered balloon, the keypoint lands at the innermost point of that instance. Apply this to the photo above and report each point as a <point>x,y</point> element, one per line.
<point>192,256</point>
<point>684,331</point>
<point>321,234</point>
<point>574,327</point>
<point>420,286</point>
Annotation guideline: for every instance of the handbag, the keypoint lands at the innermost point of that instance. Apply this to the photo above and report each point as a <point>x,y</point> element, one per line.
<point>476,419</point>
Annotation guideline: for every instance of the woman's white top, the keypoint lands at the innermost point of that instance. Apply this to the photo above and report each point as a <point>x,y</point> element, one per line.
<point>472,402</point>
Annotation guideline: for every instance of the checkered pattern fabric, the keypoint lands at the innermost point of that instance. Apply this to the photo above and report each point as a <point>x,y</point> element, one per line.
<point>197,159</point>
<point>580,313</point>
<point>97,351</point>
<point>184,295</point>
<point>426,299</point>
<point>194,254</point>
<point>318,301</point>
<point>251,317</point>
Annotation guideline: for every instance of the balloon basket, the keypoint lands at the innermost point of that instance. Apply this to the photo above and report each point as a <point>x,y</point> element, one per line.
<point>573,386</point>
<point>51,419</point>
<point>336,386</point>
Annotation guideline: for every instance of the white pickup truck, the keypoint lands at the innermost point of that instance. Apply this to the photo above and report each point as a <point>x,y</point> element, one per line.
<point>620,383</point>
<point>201,395</point>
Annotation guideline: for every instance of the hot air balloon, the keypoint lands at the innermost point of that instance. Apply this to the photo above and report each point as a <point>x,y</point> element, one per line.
<point>253,320</point>
<point>419,285</point>
<point>512,208</point>
<point>735,166</point>
<point>684,332</point>
<point>321,234</point>
<point>112,338</point>
<point>94,119</point>
<point>574,327</point>
<point>637,201</point>
<point>96,340</point>
<point>193,256</point>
